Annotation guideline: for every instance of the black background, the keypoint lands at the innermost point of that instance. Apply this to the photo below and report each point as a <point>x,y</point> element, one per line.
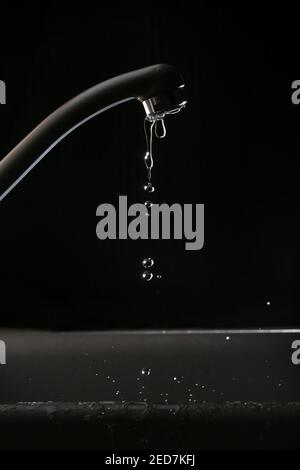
<point>234,148</point>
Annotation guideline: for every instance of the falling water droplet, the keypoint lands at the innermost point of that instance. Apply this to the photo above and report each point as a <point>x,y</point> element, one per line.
<point>160,129</point>
<point>147,276</point>
<point>148,262</point>
<point>149,188</point>
<point>146,371</point>
<point>148,204</point>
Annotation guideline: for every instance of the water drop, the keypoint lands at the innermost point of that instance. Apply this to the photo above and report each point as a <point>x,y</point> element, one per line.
<point>147,276</point>
<point>148,204</point>
<point>160,129</point>
<point>148,262</point>
<point>146,371</point>
<point>149,188</point>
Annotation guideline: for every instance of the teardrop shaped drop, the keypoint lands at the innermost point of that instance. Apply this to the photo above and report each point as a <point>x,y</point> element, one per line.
<point>160,129</point>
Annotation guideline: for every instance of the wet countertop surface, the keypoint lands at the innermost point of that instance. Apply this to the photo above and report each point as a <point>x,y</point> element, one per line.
<point>155,367</point>
<point>149,390</point>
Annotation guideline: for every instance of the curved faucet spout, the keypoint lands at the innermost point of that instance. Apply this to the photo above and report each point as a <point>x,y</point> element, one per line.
<point>158,87</point>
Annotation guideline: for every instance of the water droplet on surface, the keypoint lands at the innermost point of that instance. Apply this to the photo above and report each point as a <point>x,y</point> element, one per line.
<point>147,276</point>
<point>149,188</point>
<point>146,371</point>
<point>147,262</point>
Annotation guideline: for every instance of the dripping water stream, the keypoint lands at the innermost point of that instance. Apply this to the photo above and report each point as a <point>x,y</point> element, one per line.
<point>158,126</point>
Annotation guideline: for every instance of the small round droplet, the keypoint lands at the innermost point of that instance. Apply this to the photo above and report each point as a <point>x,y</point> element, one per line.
<point>148,204</point>
<point>148,262</point>
<point>159,276</point>
<point>146,371</point>
<point>149,188</point>
<point>147,276</point>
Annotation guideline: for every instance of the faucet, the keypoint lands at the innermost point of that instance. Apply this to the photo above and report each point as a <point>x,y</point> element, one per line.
<point>158,87</point>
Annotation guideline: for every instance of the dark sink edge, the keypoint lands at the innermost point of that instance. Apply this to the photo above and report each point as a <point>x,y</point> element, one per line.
<point>139,425</point>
